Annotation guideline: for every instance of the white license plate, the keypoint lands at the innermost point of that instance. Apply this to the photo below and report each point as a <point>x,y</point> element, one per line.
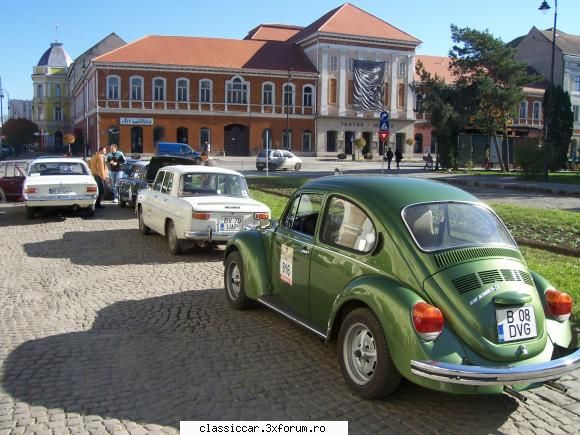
<point>59,190</point>
<point>515,324</point>
<point>231,223</point>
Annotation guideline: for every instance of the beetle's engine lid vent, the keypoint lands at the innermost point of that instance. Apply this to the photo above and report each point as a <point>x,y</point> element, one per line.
<point>477,280</point>
<point>462,255</point>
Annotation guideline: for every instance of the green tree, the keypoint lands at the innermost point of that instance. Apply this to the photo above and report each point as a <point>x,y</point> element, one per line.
<point>560,125</point>
<point>487,68</point>
<point>19,132</point>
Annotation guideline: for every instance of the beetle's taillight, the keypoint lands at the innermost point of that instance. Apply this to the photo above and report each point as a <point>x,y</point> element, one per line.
<point>201,216</point>
<point>30,190</point>
<point>559,304</point>
<point>427,320</point>
<point>260,216</point>
<point>92,189</point>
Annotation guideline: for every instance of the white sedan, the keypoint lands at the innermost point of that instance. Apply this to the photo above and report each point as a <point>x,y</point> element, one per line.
<point>59,182</point>
<point>201,204</point>
<point>278,159</point>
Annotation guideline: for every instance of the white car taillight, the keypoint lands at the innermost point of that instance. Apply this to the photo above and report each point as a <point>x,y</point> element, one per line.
<point>92,189</point>
<point>200,216</point>
<point>30,190</point>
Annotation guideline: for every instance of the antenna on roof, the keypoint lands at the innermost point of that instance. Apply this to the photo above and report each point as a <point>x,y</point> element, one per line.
<point>56,33</point>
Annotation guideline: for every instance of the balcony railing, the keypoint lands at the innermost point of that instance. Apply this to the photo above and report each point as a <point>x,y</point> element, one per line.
<point>527,122</point>
<point>148,105</point>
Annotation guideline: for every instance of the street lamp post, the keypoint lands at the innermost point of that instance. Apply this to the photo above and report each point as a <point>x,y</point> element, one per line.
<point>544,7</point>
<point>288,96</point>
<point>42,134</point>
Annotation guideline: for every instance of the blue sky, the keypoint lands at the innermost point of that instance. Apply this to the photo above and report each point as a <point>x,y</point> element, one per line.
<point>28,27</point>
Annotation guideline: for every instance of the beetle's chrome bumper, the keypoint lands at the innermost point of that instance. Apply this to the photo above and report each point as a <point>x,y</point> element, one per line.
<point>501,375</point>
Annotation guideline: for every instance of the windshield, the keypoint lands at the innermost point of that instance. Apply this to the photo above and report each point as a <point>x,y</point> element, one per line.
<point>213,184</point>
<point>58,168</point>
<point>445,225</point>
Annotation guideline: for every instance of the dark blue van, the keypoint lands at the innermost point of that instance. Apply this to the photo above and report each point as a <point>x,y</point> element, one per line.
<point>177,149</point>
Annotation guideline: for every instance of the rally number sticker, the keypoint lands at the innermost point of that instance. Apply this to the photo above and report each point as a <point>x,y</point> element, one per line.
<point>286,255</point>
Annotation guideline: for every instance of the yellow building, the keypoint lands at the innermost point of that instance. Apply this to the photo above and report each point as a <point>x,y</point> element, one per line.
<point>51,102</point>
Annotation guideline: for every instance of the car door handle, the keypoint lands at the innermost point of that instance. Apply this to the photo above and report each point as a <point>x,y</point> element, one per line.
<point>305,250</point>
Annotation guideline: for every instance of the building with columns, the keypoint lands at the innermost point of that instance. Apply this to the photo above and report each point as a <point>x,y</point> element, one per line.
<point>285,86</point>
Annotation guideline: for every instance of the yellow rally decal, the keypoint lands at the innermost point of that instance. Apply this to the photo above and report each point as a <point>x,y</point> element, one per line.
<point>286,254</point>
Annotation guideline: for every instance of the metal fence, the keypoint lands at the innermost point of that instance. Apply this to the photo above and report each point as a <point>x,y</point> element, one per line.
<point>475,148</point>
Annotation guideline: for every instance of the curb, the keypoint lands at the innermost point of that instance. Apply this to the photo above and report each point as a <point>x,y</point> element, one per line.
<point>510,186</point>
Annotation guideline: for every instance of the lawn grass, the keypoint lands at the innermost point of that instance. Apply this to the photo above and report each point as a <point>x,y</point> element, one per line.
<point>275,202</point>
<point>562,271</point>
<point>559,177</point>
<point>548,226</point>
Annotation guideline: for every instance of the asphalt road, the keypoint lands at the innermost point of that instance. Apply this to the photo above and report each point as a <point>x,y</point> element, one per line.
<point>103,331</point>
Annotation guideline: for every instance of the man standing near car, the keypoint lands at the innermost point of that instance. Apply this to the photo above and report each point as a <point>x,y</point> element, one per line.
<point>115,160</point>
<point>100,172</point>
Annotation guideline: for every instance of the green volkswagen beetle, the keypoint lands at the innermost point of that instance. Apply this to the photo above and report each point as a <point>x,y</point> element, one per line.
<point>414,279</point>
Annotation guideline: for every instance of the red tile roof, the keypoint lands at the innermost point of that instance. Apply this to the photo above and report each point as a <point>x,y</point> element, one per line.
<point>273,32</point>
<point>436,65</point>
<point>351,20</point>
<point>210,53</point>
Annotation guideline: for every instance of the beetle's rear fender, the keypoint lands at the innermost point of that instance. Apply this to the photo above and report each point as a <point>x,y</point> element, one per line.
<point>254,253</point>
<point>392,304</point>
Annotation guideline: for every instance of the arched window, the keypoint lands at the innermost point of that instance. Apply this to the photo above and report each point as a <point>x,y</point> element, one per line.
<point>158,135</point>
<point>268,94</point>
<point>182,135</point>
<point>307,96</point>
<point>287,139</point>
<point>204,136</point>
<point>182,90</point>
<point>536,110</point>
<point>113,135</point>
<point>136,88</point>
<point>57,90</point>
<point>113,87</point>
<point>205,91</point>
<point>267,138</point>
<point>418,143</point>
<point>237,90</point>
<point>523,109</point>
<point>159,89</point>
<point>39,91</point>
<point>307,141</point>
<point>289,95</point>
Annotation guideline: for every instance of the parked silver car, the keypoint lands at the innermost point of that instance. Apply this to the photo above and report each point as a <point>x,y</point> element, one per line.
<point>278,159</point>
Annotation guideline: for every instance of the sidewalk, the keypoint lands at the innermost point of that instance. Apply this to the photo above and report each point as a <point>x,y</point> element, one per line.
<point>510,183</point>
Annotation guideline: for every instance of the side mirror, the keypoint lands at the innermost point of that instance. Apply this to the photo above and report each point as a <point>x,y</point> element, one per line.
<point>265,224</point>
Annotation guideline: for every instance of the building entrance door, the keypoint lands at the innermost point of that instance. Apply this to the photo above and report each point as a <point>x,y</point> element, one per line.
<point>368,137</point>
<point>236,140</point>
<point>136,140</point>
<point>348,141</point>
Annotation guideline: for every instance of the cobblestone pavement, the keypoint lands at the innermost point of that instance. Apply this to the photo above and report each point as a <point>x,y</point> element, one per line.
<point>103,331</point>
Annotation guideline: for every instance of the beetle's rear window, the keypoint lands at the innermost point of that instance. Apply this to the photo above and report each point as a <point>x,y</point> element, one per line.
<point>446,225</point>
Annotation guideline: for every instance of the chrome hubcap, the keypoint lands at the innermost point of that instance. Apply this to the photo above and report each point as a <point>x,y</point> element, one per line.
<point>360,353</point>
<point>234,281</point>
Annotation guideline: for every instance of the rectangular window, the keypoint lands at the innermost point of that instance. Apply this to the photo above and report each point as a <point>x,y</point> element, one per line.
<point>333,63</point>
<point>536,111</point>
<point>577,84</point>
<point>401,96</point>
<point>332,91</point>
<point>386,94</point>
<point>523,109</point>
<point>136,90</point>
<point>307,97</point>
<point>159,90</point>
<point>181,90</point>
<point>58,113</point>
<point>267,96</point>
<point>576,110</point>
<point>113,91</point>
<point>350,92</point>
<point>205,92</point>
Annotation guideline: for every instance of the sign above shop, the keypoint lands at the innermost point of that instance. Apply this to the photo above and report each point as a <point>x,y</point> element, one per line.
<point>136,121</point>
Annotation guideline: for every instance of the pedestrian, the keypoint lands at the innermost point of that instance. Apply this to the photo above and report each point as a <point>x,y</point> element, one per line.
<point>100,172</point>
<point>389,158</point>
<point>207,160</point>
<point>207,147</point>
<point>428,161</point>
<point>115,160</point>
<point>398,157</point>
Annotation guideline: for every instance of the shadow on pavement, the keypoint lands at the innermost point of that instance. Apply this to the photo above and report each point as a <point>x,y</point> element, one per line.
<point>189,356</point>
<point>124,247</point>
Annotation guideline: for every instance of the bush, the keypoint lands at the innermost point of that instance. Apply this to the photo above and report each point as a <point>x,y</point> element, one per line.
<point>341,156</point>
<point>368,156</point>
<point>531,159</point>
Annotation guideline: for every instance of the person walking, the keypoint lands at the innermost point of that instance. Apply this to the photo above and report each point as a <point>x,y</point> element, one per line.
<point>389,158</point>
<point>115,160</point>
<point>398,158</point>
<point>100,172</point>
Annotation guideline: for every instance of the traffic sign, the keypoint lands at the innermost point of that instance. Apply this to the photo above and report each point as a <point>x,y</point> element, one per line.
<point>384,116</point>
<point>383,136</point>
<point>384,125</point>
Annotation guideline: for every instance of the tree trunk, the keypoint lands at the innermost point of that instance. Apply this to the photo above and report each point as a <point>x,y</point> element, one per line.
<point>507,144</point>
<point>498,152</point>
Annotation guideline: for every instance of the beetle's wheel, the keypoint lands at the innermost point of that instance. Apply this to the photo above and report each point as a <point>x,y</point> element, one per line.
<point>363,355</point>
<point>234,281</point>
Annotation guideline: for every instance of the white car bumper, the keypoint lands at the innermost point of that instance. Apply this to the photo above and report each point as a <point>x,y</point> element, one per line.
<point>62,201</point>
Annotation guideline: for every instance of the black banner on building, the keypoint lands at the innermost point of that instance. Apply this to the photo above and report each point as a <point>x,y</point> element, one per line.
<point>369,80</point>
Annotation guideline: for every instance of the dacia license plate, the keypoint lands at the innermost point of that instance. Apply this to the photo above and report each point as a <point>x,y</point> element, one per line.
<point>59,190</point>
<point>231,223</point>
<point>516,324</point>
